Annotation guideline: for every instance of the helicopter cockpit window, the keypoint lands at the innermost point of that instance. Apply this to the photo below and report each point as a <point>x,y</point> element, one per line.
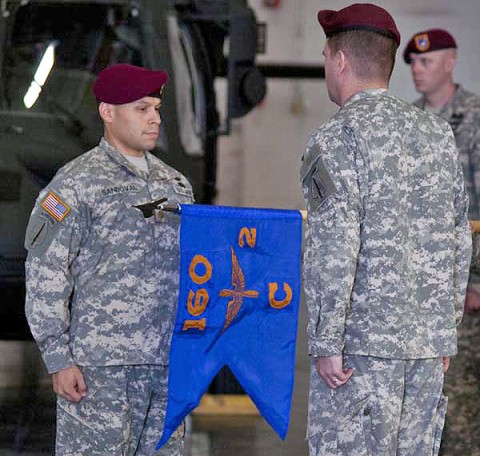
<point>53,52</point>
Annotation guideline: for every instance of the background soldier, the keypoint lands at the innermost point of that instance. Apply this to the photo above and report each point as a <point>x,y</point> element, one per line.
<point>102,282</point>
<point>387,252</point>
<point>432,56</point>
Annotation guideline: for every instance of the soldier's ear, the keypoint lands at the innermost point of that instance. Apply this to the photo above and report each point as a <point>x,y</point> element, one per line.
<point>450,60</point>
<point>340,62</point>
<point>106,111</point>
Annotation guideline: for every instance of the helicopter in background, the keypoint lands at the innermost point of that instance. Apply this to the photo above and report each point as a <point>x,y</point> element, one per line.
<point>51,52</point>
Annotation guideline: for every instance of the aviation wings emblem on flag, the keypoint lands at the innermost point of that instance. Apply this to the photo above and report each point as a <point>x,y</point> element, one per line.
<point>238,293</point>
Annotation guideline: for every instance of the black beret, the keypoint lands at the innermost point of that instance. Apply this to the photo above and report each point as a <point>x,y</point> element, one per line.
<point>429,40</point>
<point>359,16</point>
<point>122,83</point>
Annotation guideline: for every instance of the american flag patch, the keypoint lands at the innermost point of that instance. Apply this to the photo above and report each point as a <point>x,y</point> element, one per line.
<point>55,206</point>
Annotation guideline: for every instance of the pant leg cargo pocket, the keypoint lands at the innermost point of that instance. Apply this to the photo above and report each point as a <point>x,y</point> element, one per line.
<point>355,428</point>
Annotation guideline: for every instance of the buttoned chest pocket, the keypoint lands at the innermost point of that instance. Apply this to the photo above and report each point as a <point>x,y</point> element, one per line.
<point>167,224</point>
<point>130,229</point>
<point>123,237</point>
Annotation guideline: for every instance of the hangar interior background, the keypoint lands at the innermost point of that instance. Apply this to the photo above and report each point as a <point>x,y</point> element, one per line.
<point>258,165</point>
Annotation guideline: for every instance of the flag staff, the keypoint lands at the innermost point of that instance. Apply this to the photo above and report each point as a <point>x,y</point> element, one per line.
<point>177,208</point>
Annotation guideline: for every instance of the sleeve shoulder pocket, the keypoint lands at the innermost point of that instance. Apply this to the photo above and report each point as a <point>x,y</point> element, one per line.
<point>40,233</point>
<point>318,183</point>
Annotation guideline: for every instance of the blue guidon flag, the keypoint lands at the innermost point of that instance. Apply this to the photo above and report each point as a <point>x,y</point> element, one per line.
<point>240,285</point>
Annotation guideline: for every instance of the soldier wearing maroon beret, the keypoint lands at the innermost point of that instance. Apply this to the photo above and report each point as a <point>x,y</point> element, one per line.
<point>359,16</point>
<point>428,41</point>
<point>102,277</point>
<point>432,56</point>
<point>387,217</point>
<point>123,83</point>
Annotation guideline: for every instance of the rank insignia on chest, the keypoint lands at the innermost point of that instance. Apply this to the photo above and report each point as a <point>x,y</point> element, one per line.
<point>54,206</point>
<point>455,121</point>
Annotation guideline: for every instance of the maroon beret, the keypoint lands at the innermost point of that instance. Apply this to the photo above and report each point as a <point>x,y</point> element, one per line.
<point>359,16</point>
<point>429,40</point>
<point>122,83</point>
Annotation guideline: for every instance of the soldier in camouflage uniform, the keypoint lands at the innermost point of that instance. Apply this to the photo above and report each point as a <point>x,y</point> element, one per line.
<point>102,280</point>
<point>432,57</point>
<point>387,252</point>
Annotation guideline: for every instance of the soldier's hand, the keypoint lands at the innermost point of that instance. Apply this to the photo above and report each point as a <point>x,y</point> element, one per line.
<point>70,384</point>
<point>446,363</point>
<point>330,369</point>
<point>472,302</point>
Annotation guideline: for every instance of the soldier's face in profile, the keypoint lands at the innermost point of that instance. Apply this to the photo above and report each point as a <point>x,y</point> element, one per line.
<point>431,70</point>
<point>135,126</point>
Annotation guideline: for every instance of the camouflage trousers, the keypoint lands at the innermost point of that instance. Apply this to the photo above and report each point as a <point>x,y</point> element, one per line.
<point>389,407</point>
<point>122,415</point>
<point>462,386</point>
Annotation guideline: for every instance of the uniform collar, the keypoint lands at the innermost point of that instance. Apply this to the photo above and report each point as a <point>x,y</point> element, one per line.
<point>155,170</point>
<point>369,93</point>
<point>452,104</point>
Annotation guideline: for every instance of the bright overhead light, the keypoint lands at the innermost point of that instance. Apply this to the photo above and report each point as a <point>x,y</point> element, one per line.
<point>32,94</point>
<point>41,75</point>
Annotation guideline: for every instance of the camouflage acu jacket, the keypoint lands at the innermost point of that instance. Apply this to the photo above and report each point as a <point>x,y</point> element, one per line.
<point>463,115</point>
<point>101,280</point>
<point>388,243</point>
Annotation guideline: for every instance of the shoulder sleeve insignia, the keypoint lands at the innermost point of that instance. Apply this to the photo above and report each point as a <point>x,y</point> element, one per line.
<point>54,206</point>
<point>319,184</point>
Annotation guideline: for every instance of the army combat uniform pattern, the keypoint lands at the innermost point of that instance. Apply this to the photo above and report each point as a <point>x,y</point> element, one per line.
<point>387,253</point>
<point>102,281</point>
<point>463,115</point>
<point>462,383</point>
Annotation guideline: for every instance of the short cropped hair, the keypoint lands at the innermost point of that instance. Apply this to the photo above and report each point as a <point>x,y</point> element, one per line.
<point>371,55</point>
